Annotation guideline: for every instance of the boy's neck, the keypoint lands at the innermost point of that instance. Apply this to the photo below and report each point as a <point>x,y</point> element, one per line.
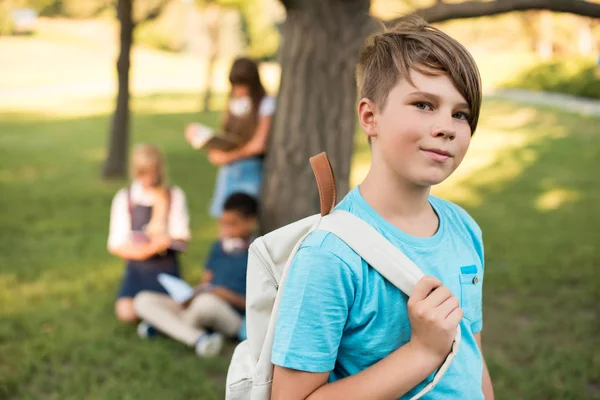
<point>394,199</point>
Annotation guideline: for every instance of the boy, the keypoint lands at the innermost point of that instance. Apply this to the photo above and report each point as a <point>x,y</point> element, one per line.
<point>220,304</point>
<point>343,331</point>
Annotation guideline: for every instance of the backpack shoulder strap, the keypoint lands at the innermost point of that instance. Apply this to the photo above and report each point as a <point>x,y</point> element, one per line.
<point>375,249</point>
<point>325,182</point>
<point>388,260</point>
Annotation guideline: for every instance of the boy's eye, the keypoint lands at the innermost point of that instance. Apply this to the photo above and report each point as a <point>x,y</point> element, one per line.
<point>462,116</point>
<point>423,105</point>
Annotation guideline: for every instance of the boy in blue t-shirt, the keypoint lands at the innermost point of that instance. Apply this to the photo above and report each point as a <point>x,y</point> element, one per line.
<point>345,332</point>
<point>218,308</point>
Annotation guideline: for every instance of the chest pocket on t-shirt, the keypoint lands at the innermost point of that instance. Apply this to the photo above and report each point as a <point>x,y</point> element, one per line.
<point>470,292</point>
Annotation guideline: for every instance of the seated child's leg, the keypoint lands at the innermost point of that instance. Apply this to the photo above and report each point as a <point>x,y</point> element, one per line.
<point>124,310</point>
<point>211,312</point>
<point>164,314</point>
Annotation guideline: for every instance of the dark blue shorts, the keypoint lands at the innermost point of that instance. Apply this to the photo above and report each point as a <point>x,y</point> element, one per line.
<point>140,278</point>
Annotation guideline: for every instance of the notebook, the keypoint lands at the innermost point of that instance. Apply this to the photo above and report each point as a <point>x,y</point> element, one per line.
<point>180,290</point>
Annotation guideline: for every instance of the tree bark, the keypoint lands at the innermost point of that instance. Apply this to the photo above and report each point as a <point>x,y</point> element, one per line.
<point>212,17</point>
<point>115,165</point>
<point>586,37</point>
<point>545,42</point>
<point>469,9</point>
<point>315,106</point>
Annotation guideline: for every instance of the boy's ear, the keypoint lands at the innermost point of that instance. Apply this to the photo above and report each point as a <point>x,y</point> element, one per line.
<point>367,111</point>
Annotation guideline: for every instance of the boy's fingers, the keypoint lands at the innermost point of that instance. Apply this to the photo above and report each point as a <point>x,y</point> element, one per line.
<point>448,306</point>
<point>437,297</point>
<point>424,287</point>
<point>455,317</point>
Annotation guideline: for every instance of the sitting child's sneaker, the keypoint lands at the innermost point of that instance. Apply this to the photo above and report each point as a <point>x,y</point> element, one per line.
<point>145,330</point>
<point>209,345</point>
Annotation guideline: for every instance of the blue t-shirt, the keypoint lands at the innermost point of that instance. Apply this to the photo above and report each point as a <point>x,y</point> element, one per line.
<point>337,314</point>
<point>229,269</point>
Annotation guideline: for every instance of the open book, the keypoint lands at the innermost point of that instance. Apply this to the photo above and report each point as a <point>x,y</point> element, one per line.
<point>180,290</point>
<point>203,137</point>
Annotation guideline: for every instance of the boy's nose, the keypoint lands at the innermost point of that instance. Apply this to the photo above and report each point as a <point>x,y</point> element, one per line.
<point>444,129</point>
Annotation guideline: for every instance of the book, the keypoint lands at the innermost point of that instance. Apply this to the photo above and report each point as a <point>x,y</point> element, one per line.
<point>180,290</point>
<point>203,137</point>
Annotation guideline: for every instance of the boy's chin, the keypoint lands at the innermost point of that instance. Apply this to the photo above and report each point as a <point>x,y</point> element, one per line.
<point>428,180</point>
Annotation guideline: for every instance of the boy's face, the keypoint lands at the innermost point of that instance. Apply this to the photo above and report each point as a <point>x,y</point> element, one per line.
<point>233,224</point>
<point>422,134</point>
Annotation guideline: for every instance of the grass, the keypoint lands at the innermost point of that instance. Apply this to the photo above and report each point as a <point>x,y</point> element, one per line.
<point>529,180</point>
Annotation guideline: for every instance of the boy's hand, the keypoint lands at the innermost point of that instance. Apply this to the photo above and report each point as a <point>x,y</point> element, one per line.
<point>434,315</point>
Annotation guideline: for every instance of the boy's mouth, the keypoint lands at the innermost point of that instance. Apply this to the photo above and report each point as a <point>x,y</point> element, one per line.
<point>438,155</point>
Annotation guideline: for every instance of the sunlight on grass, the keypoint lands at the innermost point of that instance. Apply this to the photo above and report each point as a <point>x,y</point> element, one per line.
<point>55,284</point>
<point>94,155</point>
<point>528,180</point>
<point>26,174</point>
<point>555,198</point>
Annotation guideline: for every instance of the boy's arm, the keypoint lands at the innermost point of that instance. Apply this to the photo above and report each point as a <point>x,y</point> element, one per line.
<point>488,389</point>
<point>207,276</point>
<point>390,378</point>
<point>434,315</point>
<point>233,298</point>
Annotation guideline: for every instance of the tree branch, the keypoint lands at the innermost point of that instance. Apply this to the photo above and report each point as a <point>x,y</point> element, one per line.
<point>288,3</point>
<point>469,9</point>
<point>154,12</point>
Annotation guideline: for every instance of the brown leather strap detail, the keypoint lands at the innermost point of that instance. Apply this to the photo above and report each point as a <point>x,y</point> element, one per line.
<point>325,182</point>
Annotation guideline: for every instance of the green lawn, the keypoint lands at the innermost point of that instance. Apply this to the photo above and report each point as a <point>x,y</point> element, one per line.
<point>530,180</point>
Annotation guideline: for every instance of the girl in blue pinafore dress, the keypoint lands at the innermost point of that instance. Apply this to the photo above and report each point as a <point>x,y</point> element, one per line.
<point>149,226</point>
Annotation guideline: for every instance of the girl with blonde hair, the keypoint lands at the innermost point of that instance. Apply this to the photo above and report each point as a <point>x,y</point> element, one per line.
<point>149,226</point>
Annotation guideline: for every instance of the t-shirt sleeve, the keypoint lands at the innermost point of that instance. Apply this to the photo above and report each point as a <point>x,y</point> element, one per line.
<point>315,303</point>
<point>267,106</point>
<point>212,262</point>
<point>477,324</point>
<point>120,221</point>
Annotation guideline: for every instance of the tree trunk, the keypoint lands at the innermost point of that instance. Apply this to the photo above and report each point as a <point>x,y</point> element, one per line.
<point>115,165</point>
<point>586,37</point>
<point>212,16</point>
<point>545,44</point>
<point>315,106</point>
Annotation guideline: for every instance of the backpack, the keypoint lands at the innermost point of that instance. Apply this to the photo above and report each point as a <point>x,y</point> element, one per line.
<point>250,373</point>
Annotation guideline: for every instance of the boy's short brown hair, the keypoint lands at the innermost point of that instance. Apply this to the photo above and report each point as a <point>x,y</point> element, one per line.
<point>413,44</point>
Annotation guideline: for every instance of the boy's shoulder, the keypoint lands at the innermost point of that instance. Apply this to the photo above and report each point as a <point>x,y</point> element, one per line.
<point>327,244</point>
<point>457,216</point>
<point>322,249</point>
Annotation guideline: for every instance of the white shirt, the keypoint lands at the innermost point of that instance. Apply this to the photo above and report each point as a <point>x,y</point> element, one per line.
<point>120,218</point>
<point>267,106</point>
